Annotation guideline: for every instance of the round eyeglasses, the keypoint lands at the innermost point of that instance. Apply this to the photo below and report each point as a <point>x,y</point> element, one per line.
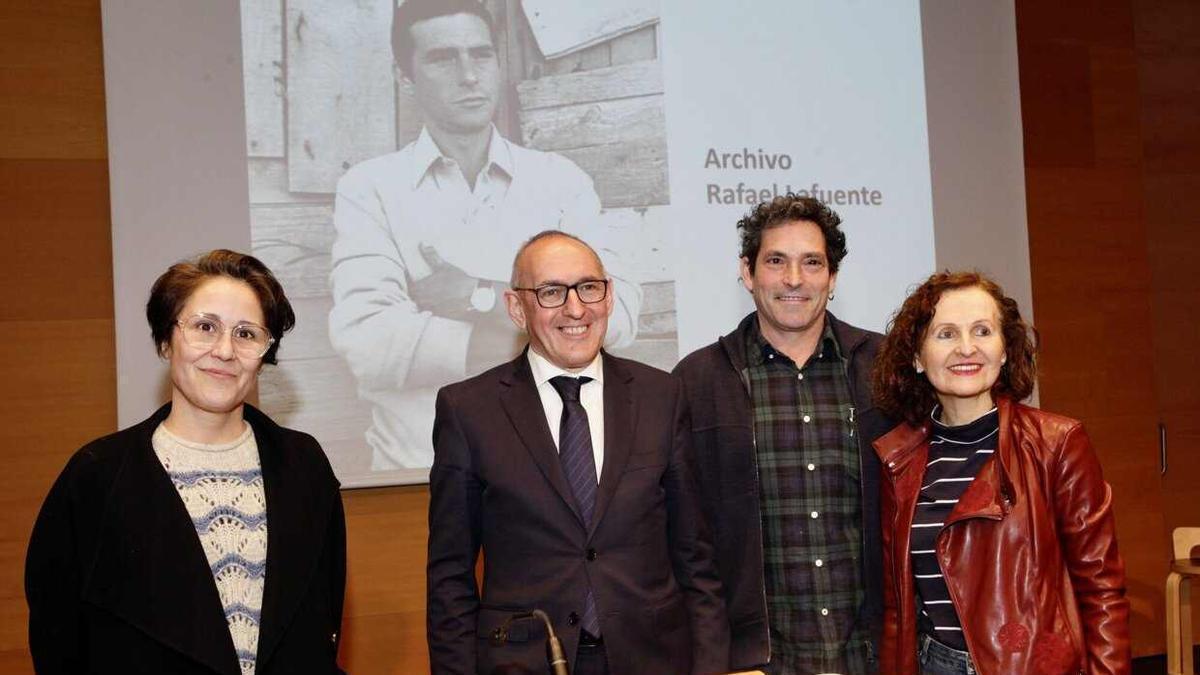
<point>550,296</point>
<point>204,331</point>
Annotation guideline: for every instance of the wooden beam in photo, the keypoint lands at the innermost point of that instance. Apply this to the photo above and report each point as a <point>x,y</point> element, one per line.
<point>511,69</point>
<point>643,239</point>
<point>269,184</point>
<point>626,174</point>
<point>294,240</point>
<point>594,123</point>
<point>341,92</point>
<point>658,297</point>
<point>262,67</point>
<point>661,353</point>
<point>566,27</point>
<point>310,337</point>
<point>319,396</point>
<point>641,78</point>
<point>592,58</point>
<point>408,117</point>
<point>640,45</point>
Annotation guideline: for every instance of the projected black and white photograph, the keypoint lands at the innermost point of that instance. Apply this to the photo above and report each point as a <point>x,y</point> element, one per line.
<point>399,154</point>
<point>386,169</point>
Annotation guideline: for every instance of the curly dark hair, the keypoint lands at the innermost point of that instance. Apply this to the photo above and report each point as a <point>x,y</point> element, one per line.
<point>903,393</point>
<point>405,14</point>
<point>788,208</point>
<point>172,290</point>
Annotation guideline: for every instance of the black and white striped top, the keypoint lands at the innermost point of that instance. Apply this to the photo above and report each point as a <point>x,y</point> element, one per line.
<point>955,456</point>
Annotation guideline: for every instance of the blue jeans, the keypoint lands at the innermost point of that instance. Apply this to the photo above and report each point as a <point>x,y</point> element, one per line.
<point>938,659</point>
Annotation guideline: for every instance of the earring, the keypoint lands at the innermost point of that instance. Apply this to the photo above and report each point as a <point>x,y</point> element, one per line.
<point>831,296</point>
<point>920,370</point>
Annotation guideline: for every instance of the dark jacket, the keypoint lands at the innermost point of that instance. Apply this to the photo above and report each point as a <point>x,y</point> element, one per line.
<point>117,581</point>
<point>1029,553</point>
<point>497,484</point>
<point>718,393</point>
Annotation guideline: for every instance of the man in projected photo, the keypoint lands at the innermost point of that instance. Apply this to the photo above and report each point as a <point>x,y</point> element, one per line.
<point>781,423</point>
<point>424,234</point>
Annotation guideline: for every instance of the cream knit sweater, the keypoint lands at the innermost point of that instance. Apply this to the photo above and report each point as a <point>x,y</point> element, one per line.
<point>221,485</point>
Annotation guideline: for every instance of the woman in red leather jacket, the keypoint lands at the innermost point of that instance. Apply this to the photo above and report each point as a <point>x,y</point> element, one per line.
<point>1000,553</point>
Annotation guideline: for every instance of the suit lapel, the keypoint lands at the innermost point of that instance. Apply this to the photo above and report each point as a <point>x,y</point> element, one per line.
<point>297,522</point>
<point>990,494</point>
<point>620,420</point>
<point>523,406</point>
<point>150,569</point>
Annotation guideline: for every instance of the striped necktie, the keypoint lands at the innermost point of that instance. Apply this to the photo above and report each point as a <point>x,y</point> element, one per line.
<point>579,465</point>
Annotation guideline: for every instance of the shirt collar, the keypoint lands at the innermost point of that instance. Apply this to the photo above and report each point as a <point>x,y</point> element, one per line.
<point>427,155</point>
<point>760,351</point>
<point>543,370</point>
<point>978,427</point>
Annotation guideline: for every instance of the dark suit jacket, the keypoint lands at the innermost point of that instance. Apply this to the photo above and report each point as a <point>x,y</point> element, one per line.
<point>117,581</point>
<point>718,395</point>
<point>497,483</point>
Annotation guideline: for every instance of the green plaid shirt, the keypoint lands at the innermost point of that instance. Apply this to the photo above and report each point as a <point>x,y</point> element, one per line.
<point>810,493</point>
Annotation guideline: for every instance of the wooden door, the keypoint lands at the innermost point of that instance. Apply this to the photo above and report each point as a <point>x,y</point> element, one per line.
<point>1168,53</point>
<point>1168,48</point>
<point>1092,278</point>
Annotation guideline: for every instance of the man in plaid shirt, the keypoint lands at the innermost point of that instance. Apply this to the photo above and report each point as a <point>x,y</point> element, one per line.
<point>781,423</point>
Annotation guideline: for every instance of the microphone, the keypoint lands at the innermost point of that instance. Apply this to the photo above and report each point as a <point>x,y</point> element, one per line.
<point>555,654</point>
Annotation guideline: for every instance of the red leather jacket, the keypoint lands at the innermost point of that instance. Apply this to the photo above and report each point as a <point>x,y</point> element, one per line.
<point>1029,553</point>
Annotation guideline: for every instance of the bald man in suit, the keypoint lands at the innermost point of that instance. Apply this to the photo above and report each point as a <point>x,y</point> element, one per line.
<point>623,564</point>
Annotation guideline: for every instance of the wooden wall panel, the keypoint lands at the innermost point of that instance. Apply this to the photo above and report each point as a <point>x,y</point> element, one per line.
<point>265,81</point>
<point>1089,147</point>
<point>49,205</point>
<point>1110,107</point>
<point>56,321</point>
<point>51,77</point>
<point>341,93</point>
<point>385,595</point>
<point>57,315</point>
<point>1168,48</point>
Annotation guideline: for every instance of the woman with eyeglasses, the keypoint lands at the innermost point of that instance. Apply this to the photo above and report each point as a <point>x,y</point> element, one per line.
<point>206,539</point>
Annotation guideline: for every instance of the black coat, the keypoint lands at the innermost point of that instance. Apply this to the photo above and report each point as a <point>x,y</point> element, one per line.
<point>497,484</point>
<point>723,436</point>
<point>117,581</point>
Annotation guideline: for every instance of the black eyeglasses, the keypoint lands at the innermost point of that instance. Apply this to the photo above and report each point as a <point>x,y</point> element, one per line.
<point>550,296</point>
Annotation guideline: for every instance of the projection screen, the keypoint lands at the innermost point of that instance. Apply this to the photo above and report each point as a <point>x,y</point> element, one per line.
<point>285,129</point>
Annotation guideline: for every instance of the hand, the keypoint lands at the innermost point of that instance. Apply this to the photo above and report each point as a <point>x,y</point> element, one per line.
<point>446,291</point>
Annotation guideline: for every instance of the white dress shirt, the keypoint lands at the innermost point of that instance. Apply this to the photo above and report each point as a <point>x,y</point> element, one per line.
<point>591,395</point>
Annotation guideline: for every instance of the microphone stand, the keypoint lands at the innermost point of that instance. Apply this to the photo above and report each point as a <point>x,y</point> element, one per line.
<point>556,656</point>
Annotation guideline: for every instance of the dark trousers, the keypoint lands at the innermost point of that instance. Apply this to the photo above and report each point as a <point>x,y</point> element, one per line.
<point>590,660</point>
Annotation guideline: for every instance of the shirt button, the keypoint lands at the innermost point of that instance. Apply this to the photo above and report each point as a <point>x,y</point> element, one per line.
<point>812,467</point>
<point>800,376</point>
<point>806,419</point>
<point>819,563</point>
<point>824,611</point>
<point>814,514</point>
